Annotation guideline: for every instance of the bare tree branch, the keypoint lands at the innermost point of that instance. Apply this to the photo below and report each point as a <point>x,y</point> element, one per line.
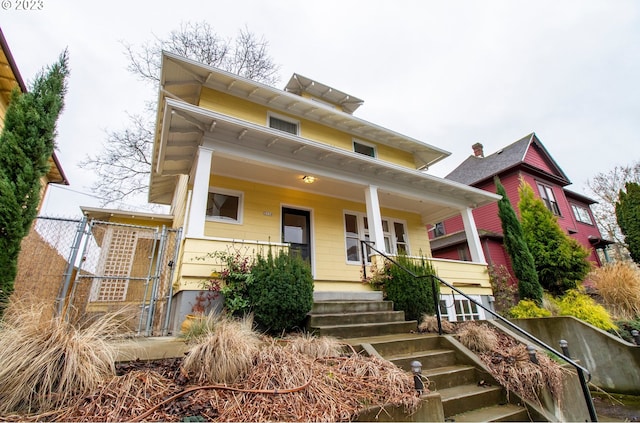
<point>605,187</point>
<point>123,166</point>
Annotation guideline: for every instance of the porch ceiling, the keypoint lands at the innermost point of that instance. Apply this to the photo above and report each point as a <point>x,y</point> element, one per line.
<point>253,152</point>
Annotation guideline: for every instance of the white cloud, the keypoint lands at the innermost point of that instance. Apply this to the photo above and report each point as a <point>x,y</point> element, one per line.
<point>449,73</point>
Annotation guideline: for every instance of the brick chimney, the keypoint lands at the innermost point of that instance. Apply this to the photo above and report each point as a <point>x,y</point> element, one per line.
<point>477,150</point>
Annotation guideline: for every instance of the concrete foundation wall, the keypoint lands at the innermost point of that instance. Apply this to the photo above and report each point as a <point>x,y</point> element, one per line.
<point>614,364</point>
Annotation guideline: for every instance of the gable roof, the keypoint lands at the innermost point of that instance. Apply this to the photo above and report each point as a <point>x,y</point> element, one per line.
<point>477,169</point>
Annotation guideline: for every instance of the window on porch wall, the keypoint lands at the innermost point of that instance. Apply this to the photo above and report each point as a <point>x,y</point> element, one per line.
<point>357,228</point>
<point>460,309</point>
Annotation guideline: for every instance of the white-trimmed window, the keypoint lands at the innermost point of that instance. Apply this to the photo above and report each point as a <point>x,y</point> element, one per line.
<point>224,205</point>
<point>364,148</point>
<point>356,226</point>
<point>282,123</point>
<point>582,214</point>
<point>457,308</point>
<point>546,194</point>
<point>438,229</point>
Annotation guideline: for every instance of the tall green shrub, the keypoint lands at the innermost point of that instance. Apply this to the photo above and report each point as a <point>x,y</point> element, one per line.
<point>281,291</point>
<point>524,266</point>
<point>409,294</point>
<point>26,143</point>
<point>560,260</point>
<point>628,217</point>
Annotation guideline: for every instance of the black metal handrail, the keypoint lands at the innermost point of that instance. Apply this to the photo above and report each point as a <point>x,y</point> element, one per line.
<point>579,369</point>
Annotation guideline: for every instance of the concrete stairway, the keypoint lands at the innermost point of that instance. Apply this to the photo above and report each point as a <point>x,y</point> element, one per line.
<point>467,393</point>
<point>352,319</point>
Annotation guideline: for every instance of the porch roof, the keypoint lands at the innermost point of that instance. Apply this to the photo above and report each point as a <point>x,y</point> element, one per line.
<point>183,79</point>
<point>248,151</point>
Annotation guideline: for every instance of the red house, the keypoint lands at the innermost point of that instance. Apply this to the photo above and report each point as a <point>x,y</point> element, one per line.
<point>529,159</point>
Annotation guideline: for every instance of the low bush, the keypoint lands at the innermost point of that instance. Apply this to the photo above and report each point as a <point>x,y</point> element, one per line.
<point>45,363</point>
<point>477,337</point>
<point>618,284</point>
<point>224,354</point>
<point>505,289</point>
<point>526,309</point>
<point>409,294</point>
<point>281,291</point>
<point>577,304</point>
<point>430,324</point>
<point>625,327</point>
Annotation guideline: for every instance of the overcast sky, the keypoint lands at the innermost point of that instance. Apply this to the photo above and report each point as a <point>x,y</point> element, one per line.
<point>449,73</point>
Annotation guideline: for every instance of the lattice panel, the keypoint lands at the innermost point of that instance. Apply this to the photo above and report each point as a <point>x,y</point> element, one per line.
<point>118,251</point>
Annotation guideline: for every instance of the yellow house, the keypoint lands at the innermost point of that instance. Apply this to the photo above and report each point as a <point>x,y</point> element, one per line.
<point>246,166</point>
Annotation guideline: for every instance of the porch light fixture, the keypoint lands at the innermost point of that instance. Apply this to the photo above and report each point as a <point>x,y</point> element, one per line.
<point>308,179</point>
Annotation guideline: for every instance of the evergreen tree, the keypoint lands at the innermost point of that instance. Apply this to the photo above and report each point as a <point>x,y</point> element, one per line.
<point>26,143</point>
<point>628,216</point>
<point>560,260</point>
<point>524,266</point>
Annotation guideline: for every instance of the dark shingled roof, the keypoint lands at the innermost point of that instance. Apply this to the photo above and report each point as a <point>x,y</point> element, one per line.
<point>475,169</point>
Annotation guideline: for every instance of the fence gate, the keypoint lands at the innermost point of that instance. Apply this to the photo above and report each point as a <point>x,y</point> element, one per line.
<point>113,267</point>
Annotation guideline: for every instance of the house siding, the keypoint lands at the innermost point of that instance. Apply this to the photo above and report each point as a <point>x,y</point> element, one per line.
<point>535,158</point>
<point>262,223</point>
<point>258,114</point>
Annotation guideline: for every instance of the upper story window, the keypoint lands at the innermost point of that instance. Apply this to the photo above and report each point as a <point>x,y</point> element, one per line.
<point>438,229</point>
<point>224,205</point>
<point>581,214</point>
<point>283,124</point>
<point>546,194</point>
<point>364,148</point>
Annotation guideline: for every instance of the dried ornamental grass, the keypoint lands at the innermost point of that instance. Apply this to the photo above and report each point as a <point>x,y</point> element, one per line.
<point>46,362</point>
<point>477,337</point>
<point>282,385</point>
<point>225,354</point>
<point>430,324</point>
<point>314,347</point>
<point>512,368</point>
<point>618,284</point>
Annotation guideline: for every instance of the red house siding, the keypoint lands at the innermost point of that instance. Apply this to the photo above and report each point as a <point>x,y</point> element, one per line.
<point>536,158</point>
<point>487,218</point>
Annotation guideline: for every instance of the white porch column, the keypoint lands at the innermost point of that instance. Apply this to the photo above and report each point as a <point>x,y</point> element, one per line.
<point>198,210</point>
<point>473,239</point>
<point>374,217</point>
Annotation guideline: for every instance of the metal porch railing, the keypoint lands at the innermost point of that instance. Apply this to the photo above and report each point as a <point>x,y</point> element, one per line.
<point>581,371</point>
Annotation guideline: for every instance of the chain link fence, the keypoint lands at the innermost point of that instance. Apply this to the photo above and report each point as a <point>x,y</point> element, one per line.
<point>84,269</point>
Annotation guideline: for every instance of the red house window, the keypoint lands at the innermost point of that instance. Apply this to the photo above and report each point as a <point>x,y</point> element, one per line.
<point>546,194</point>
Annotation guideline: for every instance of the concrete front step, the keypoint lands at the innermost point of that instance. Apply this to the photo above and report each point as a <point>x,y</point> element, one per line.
<point>365,329</point>
<point>429,359</point>
<point>355,318</point>
<point>347,307</point>
<point>450,376</point>
<point>405,346</point>
<point>463,398</point>
<point>495,413</point>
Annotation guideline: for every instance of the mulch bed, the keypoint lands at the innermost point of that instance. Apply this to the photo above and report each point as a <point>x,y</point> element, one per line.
<point>280,387</point>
